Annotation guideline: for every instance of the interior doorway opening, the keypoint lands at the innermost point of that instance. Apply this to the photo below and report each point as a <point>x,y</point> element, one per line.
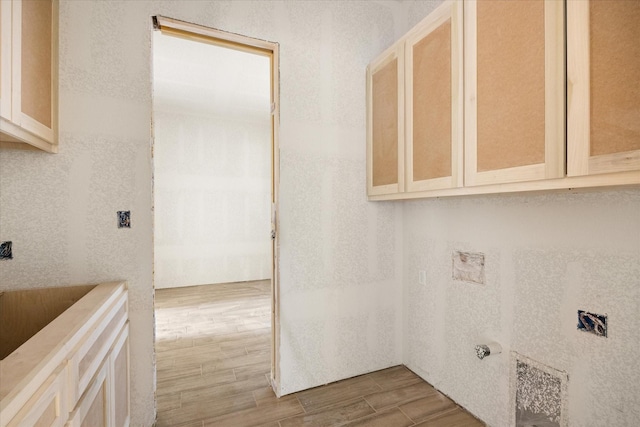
<point>215,161</point>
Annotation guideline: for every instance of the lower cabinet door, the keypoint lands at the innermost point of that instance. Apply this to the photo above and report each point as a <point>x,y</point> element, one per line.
<point>119,372</point>
<point>47,407</point>
<point>93,408</point>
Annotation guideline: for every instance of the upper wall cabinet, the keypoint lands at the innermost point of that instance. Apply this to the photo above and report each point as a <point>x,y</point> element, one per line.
<point>603,87</point>
<point>28,74</point>
<point>514,91</point>
<point>485,97</point>
<point>385,123</point>
<point>434,102</point>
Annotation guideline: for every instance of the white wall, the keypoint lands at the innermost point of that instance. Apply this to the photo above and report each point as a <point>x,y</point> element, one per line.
<point>340,257</point>
<point>212,164</point>
<point>546,257</point>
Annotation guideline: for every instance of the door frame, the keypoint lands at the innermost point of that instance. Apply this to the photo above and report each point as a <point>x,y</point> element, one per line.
<point>269,49</point>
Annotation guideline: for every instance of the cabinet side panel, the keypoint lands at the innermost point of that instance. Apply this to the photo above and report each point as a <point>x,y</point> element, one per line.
<point>385,124</point>
<point>511,84</point>
<point>432,105</point>
<point>36,60</point>
<point>615,76</point>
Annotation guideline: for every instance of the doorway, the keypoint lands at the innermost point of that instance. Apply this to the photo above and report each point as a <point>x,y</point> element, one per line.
<point>217,175</point>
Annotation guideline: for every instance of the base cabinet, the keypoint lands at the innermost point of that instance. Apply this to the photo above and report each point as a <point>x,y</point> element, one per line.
<point>119,381</point>
<point>48,406</point>
<point>93,409</point>
<point>88,384</point>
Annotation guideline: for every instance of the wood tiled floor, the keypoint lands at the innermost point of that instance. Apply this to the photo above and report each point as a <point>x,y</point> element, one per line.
<point>213,361</point>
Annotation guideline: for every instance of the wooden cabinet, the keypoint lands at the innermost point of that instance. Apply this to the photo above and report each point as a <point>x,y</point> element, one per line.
<point>119,378</point>
<point>514,91</point>
<point>603,87</point>
<point>434,103</point>
<point>385,123</point>
<point>28,74</point>
<point>414,137</point>
<point>93,409</point>
<point>105,402</point>
<point>75,370</point>
<point>534,113</point>
<point>48,406</point>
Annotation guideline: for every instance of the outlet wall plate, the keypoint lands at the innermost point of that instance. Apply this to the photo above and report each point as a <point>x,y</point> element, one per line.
<point>124,219</point>
<point>6,251</point>
<point>593,323</point>
<point>422,277</point>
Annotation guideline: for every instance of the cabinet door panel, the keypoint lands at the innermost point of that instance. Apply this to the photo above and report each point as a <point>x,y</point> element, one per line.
<point>48,406</point>
<point>93,409</point>
<point>515,91</point>
<point>385,134</point>
<point>119,360</point>
<point>33,50</point>
<point>434,100</point>
<point>5,59</point>
<point>604,86</point>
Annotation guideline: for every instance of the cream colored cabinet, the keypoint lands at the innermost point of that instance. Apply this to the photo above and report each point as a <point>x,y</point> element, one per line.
<point>603,105</point>
<point>105,403</point>
<point>414,108</point>
<point>93,408</point>
<point>434,102</point>
<point>28,74</point>
<point>119,378</point>
<point>48,406</point>
<point>514,91</point>
<point>385,123</point>
<point>75,371</point>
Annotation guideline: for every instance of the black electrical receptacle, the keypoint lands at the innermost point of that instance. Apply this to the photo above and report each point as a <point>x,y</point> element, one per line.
<point>124,219</point>
<point>6,251</point>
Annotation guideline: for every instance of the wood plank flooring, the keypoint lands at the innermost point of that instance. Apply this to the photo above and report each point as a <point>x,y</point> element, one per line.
<point>213,366</point>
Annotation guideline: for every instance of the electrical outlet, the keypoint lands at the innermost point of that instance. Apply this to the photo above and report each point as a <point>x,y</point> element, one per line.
<point>124,219</point>
<point>422,277</point>
<point>5,250</point>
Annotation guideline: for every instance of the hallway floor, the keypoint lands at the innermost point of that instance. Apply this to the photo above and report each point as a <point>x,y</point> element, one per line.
<point>213,361</point>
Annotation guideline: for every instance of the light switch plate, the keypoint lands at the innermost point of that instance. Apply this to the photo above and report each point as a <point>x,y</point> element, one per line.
<point>422,277</point>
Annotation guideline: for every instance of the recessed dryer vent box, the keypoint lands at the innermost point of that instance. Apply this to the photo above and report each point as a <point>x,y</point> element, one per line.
<point>538,393</point>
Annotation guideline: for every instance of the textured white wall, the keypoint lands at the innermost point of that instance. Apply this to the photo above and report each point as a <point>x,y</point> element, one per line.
<point>212,164</point>
<point>340,256</point>
<point>546,256</point>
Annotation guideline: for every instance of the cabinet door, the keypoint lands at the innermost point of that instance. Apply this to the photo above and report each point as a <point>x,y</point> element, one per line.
<point>34,100</point>
<point>385,123</point>
<point>5,59</point>
<point>434,100</point>
<point>47,407</point>
<point>93,409</point>
<point>514,84</point>
<point>119,371</point>
<point>603,87</point>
